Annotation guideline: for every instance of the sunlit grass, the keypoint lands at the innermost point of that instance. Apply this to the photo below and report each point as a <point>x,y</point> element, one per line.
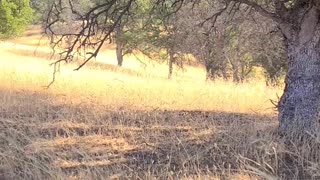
<point>135,85</point>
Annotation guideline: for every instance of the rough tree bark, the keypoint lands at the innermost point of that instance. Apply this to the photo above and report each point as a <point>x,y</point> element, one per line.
<point>299,106</point>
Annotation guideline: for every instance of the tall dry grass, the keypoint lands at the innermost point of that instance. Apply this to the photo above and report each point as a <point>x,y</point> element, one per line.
<point>105,122</point>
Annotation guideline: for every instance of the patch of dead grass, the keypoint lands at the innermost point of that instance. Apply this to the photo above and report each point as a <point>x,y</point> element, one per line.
<point>106,122</point>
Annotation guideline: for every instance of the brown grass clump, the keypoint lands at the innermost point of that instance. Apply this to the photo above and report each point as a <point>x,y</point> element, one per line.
<point>106,122</point>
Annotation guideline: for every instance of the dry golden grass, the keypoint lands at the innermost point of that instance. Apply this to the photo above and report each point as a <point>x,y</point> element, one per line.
<point>105,122</point>
<point>133,86</point>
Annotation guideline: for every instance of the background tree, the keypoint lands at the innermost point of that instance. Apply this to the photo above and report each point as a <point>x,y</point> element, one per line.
<point>40,8</point>
<point>95,27</point>
<point>15,15</point>
<point>203,39</point>
<point>254,41</point>
<point>154,34</point>
<point>164,38</point>
<point>269,53</point>
<point>130,32</point>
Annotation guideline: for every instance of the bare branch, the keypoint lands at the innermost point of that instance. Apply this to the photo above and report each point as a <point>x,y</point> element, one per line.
<point>261,10</point>
<point>86,33</point>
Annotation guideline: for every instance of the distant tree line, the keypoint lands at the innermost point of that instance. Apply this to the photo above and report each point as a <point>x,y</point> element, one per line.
<point>228,49</point>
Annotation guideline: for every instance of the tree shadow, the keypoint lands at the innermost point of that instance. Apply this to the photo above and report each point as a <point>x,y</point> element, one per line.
<point>76,140</point>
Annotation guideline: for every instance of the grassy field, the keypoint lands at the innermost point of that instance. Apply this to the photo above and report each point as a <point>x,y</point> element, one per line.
<point>105,122</point>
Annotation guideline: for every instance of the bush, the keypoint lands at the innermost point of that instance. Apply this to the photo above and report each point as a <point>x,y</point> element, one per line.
<point>15,15</point>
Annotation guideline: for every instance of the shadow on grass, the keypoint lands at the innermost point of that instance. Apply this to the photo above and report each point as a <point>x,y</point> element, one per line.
<point>40,139</point>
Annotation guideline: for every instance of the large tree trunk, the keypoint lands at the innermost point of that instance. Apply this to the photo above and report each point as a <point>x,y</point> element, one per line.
<point>299,106</point>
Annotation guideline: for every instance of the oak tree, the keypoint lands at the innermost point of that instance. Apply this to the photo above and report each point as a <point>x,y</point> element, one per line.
<point>297,20</point>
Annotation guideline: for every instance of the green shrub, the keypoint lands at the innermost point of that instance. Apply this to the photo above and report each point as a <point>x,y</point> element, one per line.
<point>15,15</point>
